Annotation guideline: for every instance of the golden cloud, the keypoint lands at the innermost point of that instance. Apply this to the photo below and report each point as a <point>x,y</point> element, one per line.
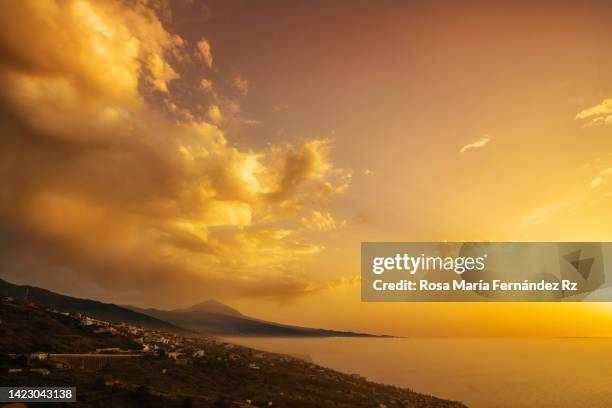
<point>475,145</point>
<point>322,221</point>
<point>241,85</point>
<point>205,52</point>
<point>99,182</point>
<point>597,115</point>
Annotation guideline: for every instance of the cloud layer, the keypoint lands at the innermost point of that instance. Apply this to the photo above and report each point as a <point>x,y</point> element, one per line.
<point>108,179</point>
<point>597,115</point>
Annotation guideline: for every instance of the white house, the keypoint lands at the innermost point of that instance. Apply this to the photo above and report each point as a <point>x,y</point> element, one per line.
<point>39,355</point>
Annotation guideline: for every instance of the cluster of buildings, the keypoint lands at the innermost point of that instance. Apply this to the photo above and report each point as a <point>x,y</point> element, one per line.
<point>178,348</point>
<point>182,350</point>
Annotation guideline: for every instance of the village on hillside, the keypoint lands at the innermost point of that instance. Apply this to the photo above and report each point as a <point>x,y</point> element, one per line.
<point>182,350</point>
<point>122,365</point>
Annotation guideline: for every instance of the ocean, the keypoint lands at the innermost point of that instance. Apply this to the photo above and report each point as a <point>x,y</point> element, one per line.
<point>481,373</point>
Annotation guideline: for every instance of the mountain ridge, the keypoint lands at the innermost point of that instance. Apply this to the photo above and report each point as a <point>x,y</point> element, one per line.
<point>92,308</point>
<point>221,324</point>
<point>209,317</point>
<point>211,306</point>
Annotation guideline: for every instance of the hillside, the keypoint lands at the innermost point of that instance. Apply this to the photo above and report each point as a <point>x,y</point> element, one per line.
<point>237,324</point>
<point>223,376</point>
<point>209,317</point>
<point>21,328</point>
<point>91,308</point>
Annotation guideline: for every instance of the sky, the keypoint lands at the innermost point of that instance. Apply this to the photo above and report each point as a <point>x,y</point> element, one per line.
<point>160,153</point>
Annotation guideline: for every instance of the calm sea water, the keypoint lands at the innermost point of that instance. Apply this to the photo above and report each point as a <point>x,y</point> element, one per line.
<point>482,373</point>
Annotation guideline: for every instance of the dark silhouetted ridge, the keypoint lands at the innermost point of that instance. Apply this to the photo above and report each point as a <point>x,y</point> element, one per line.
<point>92,308</point>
